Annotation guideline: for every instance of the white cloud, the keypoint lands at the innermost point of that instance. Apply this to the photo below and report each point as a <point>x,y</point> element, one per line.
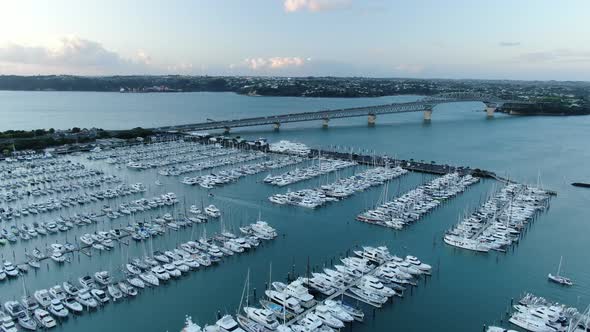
<point>314,5</point>
<point>75,55</point>
<point>273,63</point>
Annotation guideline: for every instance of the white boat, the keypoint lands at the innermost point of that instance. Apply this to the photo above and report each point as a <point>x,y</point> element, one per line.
<point>72,305</point>
<point>212,211</point>
<point>498,329</point>
<point>85,299</point>
<point>87,282</point>
<point>27,322</point>
<point>356,313</point>
<point>227,323</point>
<point>189,326</point>
<point>136,282</point>
<point>57,309</point>
<point>150,278</point>
<point>70,288</point>
<point>44,318</point>
<point>114,292</point>
<point>6,323</point>
<point>57,292</point>
<point>326,317</point>
<point>336,310</point>
<point>160,273</point>
<point>264,317</point>
<point>10,269</point>
<point>99,295</point>
<point>530,323</point>
<point>43,298</point>
<point>558,278</point>
<point>290,303</point>
<point>127,289</point>
<point>103,278</point>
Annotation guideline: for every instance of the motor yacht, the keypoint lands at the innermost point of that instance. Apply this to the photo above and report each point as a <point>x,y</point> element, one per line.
<point>103,278</point>
<point>290,303</point>
<point>57,309</point>
<point>85,298</point>
<point>44,319</point>
<point>43,297</point>
<point>99,295</point>
<point>262,316</point>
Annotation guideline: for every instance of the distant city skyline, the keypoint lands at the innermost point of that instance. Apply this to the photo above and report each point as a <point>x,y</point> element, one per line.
<point>528,40</point>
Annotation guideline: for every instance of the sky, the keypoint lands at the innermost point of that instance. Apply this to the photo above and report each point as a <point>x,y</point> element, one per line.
<point>500,39</point>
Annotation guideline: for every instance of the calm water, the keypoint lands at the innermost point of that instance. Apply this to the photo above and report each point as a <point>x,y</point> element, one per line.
<point>467,289</point>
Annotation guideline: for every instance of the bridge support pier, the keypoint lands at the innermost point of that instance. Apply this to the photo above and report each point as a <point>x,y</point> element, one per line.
<point>490,111</point>
<point>371,120</point>
<point>226,130</point>
<point>325,123</point>
<point>427,115</point>
<point>276,126</point>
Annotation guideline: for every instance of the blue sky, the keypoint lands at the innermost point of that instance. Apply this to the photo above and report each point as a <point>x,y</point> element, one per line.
<point>518,39</point>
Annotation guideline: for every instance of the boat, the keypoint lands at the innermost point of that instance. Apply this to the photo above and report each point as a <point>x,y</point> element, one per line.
<point>264,317</point>
<point>581,184</point>
<point>150,278</point>
<point>326,317</point>
<point>290,303</point>
<point>6,323</point>
<point>558,278</point>
<point>13,308</point>
<point>99,295</point>
<point>87,282</point>
<point>114,292</point>
<point>57,292</point>
<point>189,326</point>
<point>27,322</point>
<point>72,305</point>
<point>498,329</point>
<point>57,309</point>
<point>227,323</point>
<point>341,312</point>
<point>127,289</point>
<point>70,288</point>
<point>212,211</point>
<point>44,319</point>
<point>85,299</point>
<point>43,298</point>
<point>103,278</point>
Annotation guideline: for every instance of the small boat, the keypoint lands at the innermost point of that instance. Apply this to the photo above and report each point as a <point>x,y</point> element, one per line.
<point>70,288</point>
<point>103,278</point>
<point>27,322</point>
<point>87,282</point>
<point>6,323</point>
<point>558,278</point>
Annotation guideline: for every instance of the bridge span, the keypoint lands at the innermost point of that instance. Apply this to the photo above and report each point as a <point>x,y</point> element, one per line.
<point>424,105</point>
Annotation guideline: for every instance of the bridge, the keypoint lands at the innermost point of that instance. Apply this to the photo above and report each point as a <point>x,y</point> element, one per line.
<point>424,105</point>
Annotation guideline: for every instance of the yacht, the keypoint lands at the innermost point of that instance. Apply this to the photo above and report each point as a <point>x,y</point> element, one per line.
<point>10,269</point>
<point>160,273</point>
<point>103,278</point>
<point>70,288</point>
<point>228,324</point>
<point>297,290</point>
<point>57,292</point>
<point>114,292</point>
<point>27,322</point>
<point>558,278</point>
<point>372,284</point>
<point>150,278</point>
<point>326,317</point>
<point>290,303</point>
<point>99,295</point>
<point>6,323</point>
<point>340,311</point>
<point>57,309</point>
<point>212,211</point>
<point>85,299</point>
<point>127,289</point>
<point>264,317</point>
<point>373,298</point>
<point>13,308</point>
<point>87,282</point>
<point>43,298</point>
<point>44,318</point>
<point>72,305</point>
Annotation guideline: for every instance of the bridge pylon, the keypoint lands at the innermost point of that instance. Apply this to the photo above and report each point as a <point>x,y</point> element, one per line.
<point>276,126</point>
<point>226,130</point>
<point>428,115</point>
<point>490,110</point>
<point>371,120</point>
<point>325,122</point>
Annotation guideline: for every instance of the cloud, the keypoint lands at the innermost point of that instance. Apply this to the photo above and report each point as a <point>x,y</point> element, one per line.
<point>273,63</point>
<point>509,43</point>
<point>559,55</point>
<point>315,5</point>
<point>75,55</point>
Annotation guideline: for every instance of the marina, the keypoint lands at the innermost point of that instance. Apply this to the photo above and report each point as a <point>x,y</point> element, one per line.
<point>321,236</point>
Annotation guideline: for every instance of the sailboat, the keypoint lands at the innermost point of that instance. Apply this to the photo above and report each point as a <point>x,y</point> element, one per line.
<point>558,278</point>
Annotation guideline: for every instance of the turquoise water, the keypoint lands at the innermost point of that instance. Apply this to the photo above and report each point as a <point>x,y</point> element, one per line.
<point>466,291</point>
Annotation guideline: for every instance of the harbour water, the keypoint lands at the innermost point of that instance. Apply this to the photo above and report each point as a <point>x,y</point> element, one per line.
<point>467,289</point>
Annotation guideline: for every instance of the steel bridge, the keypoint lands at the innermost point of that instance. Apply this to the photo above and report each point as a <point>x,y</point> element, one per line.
<point>424,105</point>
